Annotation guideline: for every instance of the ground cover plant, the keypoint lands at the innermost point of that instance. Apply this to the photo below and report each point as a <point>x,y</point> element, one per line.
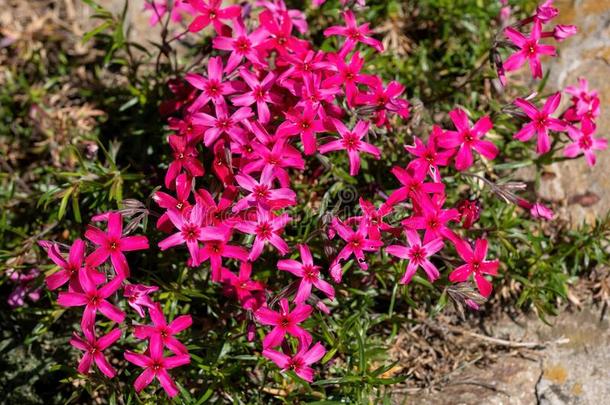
<point>252,208</point>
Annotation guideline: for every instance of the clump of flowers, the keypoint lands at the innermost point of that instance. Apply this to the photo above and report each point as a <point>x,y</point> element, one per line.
<point>263,108</point>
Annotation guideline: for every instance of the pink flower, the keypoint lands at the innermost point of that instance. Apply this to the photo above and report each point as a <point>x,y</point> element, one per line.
<point>309,273</point>
<point>546,12</point>
<point>429,157</point>
<point>354,33</point>
<point>242,45</point>
<point>583,142</point>
<point>262,194</point>
<point>303,63</point>
<point>259,93</point>
<point>69,269</point>
<point>163,331</point>
<point>541,122</point>
<point>159,9</point>
<point>385,99</point>
<point>180,203</point>
<point>475,264</point>
<point>24,287</point>
<point>267,228</point>
<point>190,231</point>
<point>413,185</point>
<point>467,138</point>
<point>351,141</point>
<point>93,349</point>
<point>222,123</point>
<point>217,214</point>
<point>582,97</point>
<point>156,366</point>
<point>433,219</point>
<point>357,242</point>
<point>243,286</point>
<point>185,157</point>
<point>374,218</point>
<point>212,88</point>
<point>284,322</point>
<point>137,297</point>
<point>281,12</point>
<point>281,38</point>
<point>215,250</point>
<point>300,362</point>
<point>530,50</point>
<point>303,123</point>
<point>418,255</point>
<point>348,75</point>
<point>112,244</point>
<point>280,156</point>
<point>562,32</point>
<point>212,13</point>
<point>93,300</point>
<point>537,210</point>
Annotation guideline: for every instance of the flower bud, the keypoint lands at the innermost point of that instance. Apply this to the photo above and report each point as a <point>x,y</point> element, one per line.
<point>561,32</point>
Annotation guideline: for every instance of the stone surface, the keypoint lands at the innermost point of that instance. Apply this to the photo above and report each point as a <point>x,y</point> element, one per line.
<point>583,192</point>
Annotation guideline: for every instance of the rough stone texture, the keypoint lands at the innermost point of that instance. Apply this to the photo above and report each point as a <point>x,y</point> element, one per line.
<point>584,193</point>
<point>577,372</point>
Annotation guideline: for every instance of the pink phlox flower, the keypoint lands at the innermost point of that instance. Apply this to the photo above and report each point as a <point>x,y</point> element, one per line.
<point>305,124</point>
<point>354,33</point>
<point>476,264</point>
<point>276,159</point>
<point>242,45</point>
<point>348,75</point>
<point>529,50</point>
<point>316,92</point>
<point>280,31</point>
<point>215,250</point>
<point>413,185</point>
<point>266,227</point>
<point>433,218</point>
<point>25,287</point>
<point>213,87</point>
<point>562,32</point>
<point>582,98</point>
<point>309,274</point>
<point>357,242</point>
<point>93,349</point>
<point>222,123</point>
<point>583,142</point>
<point>180,202</point>
<point>112,244</point>
<point>467,138</point>
<point>212,13</point>
<point>302,63</point>
<point>300,362</point>
<point>163,331</point>
<point>262,193</point>
<point>284,322</point>
<point>541,122</point>
<point>137,297</point>
<point>191,230</point>
<point>385,99</point>
<point>429,157</point>
<point>185,158</point>
<point>260,93</point>
<point>418,255</point>
<point>217,214</point>
<point>279,9</point>
<point>243,286</point>
<point>68,268</point>
<point>351,141</point>
<point>93,299</point>
<point>155,366</point>
<point>374,218</point>
<point>545,12</point>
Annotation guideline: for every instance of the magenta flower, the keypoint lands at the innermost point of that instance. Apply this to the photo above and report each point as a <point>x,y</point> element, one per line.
<point>385,99</point>
<point>309,273</point>
<point>156,366</point>
<point>582,97</point>
<point>215,250</point>
<point>583,142</point>
<point>163,331</point>
<point>303,63</point>
<point>180,202</point>
<point>185,157</point>
<point>93,300</point>
<point>413,185</point>
<point>93,349</point>
<point>351,141</point>
<point>242,285</point>
<point>190,231</point>
<point>212,13</point>
<point>475,264</point>
<point>530,50</point>
<point>417,254</point>
<point>242,45</point>
<point>137,297</point>
<point>373,217</point>
<point>212,88</point>
<point>354,33</point>
<point>277,159</point>
<point>562,32</point>
<point>300,362</point>
<point>267,228</point>
<point>349,75</point>
<point>284,322</point>
<point>545,12</point>
<point>467,139</point>
<point>217,214</point>
<point>357,242</point>
<point>433,219</point>
<point>541,122</point>
<point>281,38</point>
<point>25,287</point>
<point>112,244</point>
<point>305,124</point>
<point>281,12</point>
<point>259,93</point>
<point>429,157</point>
<point>69,269</point>
<point>222,123</point>
<point>262,194</point>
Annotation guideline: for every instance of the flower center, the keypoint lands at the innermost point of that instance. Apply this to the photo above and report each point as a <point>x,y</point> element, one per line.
<point>585,142</point>
<point>310,273</point>
<point>261,192</point>
<point>242,45</point>
<point>351,141</point>
<point>190,232</point>
<point>264,230</point>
